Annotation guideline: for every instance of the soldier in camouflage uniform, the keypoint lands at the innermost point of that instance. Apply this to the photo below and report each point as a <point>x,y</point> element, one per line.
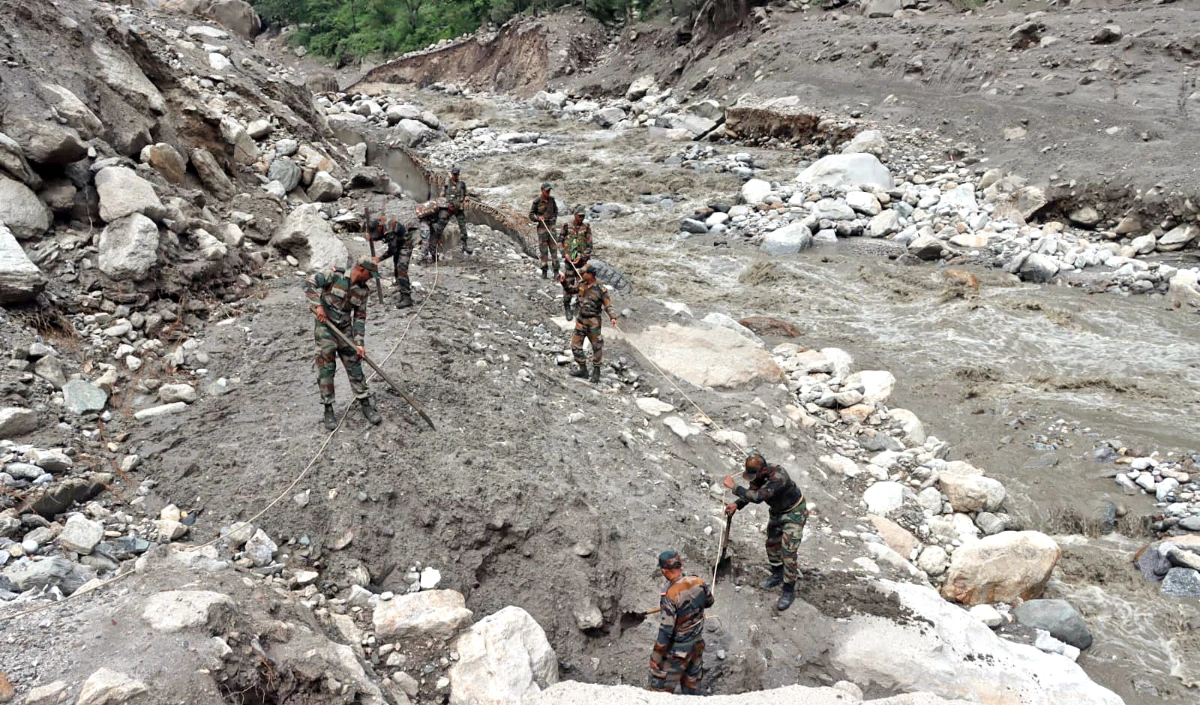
<point>340,299</point>
<point>577,250</point>
<point>544,212</point>
<point>785,527</point>
<point>434,217</point>
<point>679,649</point>
<point>454,192</point>
<point>400,242</point>
<point>593,298</point>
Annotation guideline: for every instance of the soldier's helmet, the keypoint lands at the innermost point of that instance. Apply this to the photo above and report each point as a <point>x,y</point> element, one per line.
<point>368,264</point>
<point>755,464</point>
<point>670,560</point>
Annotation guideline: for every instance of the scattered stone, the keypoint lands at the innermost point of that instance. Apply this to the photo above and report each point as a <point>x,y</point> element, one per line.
<point>790,239</point>
<point>1182,582</point>
<point>81,534</point>
<point>177,610</point>
<point>324,188</point>
<point>105,687</point>
<point>16,422</point>
<point>171,393</point>
<point>884,497</point>
<point>20,278</point>
<point>162,410</point>
<point>21,211</point>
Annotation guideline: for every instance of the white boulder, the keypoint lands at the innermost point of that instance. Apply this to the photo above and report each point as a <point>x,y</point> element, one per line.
<point>504,659</point>
<point>429,614</point>
<point>847,171</point>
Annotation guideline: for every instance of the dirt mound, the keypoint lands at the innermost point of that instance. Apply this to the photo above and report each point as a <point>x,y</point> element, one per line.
<point>520,57</point>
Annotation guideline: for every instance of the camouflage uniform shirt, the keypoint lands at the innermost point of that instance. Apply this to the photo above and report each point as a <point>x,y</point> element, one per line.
<point>577,242</point>
<point>681,620</point>
<point>455,193</point>
<point>345,303</point>
<point>775,488</point>
<point>544,208</point>
<point>592,300</point>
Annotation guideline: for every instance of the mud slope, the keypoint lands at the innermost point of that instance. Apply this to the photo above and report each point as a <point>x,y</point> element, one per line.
<point>519,58</point>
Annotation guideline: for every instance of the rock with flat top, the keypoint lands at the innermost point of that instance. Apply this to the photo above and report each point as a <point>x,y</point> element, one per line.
<point>429,614</point>
<point>107,687</point>
<point>1005,567</point>
<point>178,610</point>
<point>846,171</point>
<point>122,192</point>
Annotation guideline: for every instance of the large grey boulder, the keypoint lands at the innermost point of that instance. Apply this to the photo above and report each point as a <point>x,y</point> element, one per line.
<point>1179,237</point>
<point>789,239</point>
<point>324,188</point>
<point>68,576</point>
<point>21,210</point>
<point>309,237</point>
<point>124,76</point>
<point>881,8</point>
<point>16,421</point>
<point>129,247</point>
<point>14,164</point>
<point>286,173</point>
<point>1001,568</point>
<point>20,279</point>
<point>106,687</point>
<point>926,247</point>
<point>70,108</point>
<point>847,171</point>
<point>212,175</point>
<point>122,192</point>
<point>80,397</point>
<point>503,658</point>
<point>867,142</point>
<point>431,614</point>
<point>177,610</point>
<point>236,15</point>
<point>410,133</point>
<point>1057,617</point>
<point>48,143</point>
<point>81,534</point>
<point>1038,268</point>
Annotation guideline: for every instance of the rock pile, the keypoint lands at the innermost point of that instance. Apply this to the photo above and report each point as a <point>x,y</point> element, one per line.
<point>932,519</point>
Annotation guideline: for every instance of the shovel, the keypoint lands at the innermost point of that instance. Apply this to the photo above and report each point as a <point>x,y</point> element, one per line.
<point>724,562</point>
<point>629,620</point>
<point>384,375</point>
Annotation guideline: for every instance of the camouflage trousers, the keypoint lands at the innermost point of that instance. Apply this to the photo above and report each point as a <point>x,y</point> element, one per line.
<point>783,540</point>
<point>329,349</point>
<point>401,260</point>
<point>547,248</point>
<point>433,240</point>
<point>587,328</point>
<point>683,665</point>
<point>570,282</point>
<point>462,225</point>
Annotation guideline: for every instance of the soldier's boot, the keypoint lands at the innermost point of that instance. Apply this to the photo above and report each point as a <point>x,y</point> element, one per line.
<point>369,411</point>
<point>595,373</point>
<point>330,418</point>
<point>775,579</point>
<point>404,301</point>
<point>568,310</point>
<point>580,371</point>
<point>787,598</point>
<point>543,271</point>
<point>466,250</point>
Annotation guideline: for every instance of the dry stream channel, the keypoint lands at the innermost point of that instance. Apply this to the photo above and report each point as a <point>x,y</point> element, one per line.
<point>1022,379</point>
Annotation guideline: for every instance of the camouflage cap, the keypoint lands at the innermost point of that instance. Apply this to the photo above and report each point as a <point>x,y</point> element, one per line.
<point>755,463</point>
<point>368,264</point>
<point>455,169</point>
<point>670,560</point>
<point>589,270</point>
<point>546,186</point>
<point>580,210</point>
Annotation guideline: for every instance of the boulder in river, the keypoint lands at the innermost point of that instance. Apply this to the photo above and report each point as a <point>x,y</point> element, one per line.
<point>1001,568</point>
<point>1057,617</point>
<point>707,356</point>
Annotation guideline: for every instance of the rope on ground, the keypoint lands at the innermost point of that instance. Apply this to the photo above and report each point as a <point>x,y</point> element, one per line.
<point>303,473</point>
